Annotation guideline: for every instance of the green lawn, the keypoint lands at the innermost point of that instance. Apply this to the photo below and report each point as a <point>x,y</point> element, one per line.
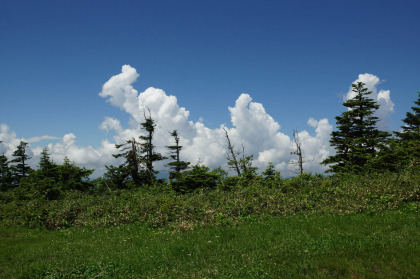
<point>385,245</point>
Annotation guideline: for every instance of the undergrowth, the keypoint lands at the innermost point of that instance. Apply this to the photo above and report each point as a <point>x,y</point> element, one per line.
<point>225,205</point>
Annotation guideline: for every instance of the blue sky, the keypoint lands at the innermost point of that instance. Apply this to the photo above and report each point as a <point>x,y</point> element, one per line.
<point>296,58</point>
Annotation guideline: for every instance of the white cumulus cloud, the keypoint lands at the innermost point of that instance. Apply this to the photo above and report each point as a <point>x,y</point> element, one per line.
<point>251,126</point>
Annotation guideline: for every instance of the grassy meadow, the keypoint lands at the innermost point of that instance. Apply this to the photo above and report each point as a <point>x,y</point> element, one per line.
<point>385,245</point>
<point>303,227</point>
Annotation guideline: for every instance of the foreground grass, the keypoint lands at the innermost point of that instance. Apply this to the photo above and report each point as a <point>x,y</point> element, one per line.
<point>383,245</point>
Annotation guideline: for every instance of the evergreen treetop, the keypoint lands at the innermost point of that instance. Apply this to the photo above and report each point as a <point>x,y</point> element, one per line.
<point>409,137</point>
<point>147,147</point>
<point>5,173</point>
<point>21,167</point>
<point>411,129</point>
<point>357,138</point>
<point>176,166</point>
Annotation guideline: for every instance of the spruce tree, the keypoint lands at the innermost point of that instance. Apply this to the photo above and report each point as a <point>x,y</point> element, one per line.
<point>20,168</point>
<point>357,139</point>
<point>176,165</point>
<point>409,137</point>
<point>411,129</point>
<point>46,165</point>
<point>147,148</point>
<point>5,174</point>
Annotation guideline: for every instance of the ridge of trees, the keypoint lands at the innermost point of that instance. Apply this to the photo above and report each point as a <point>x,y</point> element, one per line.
<point>360,148</point>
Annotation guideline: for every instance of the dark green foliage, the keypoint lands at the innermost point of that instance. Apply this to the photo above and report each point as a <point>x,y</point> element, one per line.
<point>411,129</point>
<point>393,156</point>
<point>139,158</point>
<point>50,181</point>
<point>409,138</point>
<point>72,177</point>
<point>271,177</point>
<point>130,168</point>
<point>305,194</point>
<point>199,176</point>
<point>357,138</point>
<point>6,178</point>
<point>247,170</point>
<point>46,165</point>
<point>223,174</point>
<point>41,182</point>
<point>176,166</point>
<point>119,177</point>
<point>20,165</point>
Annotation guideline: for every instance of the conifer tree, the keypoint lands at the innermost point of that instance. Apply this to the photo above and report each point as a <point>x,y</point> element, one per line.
<point>147,148</point>
<point>176,165</point>
<point>139,157</point>
<point>46,165</point>
<point>409,137</point>
<point>41,182</point>
<point>132,165</point>
<point>357,138</point>
<point>5,173</point>
<point>71,177</point>
<point>20,168</point>
<point>411,129</point>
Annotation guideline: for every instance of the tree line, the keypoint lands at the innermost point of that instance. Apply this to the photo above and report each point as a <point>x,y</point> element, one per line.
<point>360,148</point>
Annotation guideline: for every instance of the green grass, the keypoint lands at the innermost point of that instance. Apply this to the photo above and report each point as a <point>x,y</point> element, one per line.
<point>382,245</point>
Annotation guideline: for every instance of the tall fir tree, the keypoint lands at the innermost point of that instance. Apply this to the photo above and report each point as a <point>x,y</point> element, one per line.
<point>46,165</point>
<point>411,129</point>
<point>176,166</point>
<point>149,156</point>
<point>357,139</point>
<point>20,167</point>
<point>5,174</point>
<point>409,137</point>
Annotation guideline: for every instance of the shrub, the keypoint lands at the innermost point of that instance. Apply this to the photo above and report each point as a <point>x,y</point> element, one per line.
<point>199,176</point>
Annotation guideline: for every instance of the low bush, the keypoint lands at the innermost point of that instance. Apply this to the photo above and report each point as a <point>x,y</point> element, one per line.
<point>231,202</point>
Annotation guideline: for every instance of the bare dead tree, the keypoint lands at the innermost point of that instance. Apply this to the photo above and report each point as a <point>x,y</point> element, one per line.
<point>231,155</point>
<point>243,157</point>
<point>297,151</point>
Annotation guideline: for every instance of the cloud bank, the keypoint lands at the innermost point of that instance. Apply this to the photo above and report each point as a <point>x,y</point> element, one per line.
<point>250,125</point>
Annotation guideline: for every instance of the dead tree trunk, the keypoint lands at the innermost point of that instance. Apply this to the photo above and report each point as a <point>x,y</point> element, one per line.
<point>231,155</point>
<point>297,151</point>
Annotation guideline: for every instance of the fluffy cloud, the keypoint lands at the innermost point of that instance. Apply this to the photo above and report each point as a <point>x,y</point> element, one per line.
<point>382,97</point>
<point>251,126</point>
